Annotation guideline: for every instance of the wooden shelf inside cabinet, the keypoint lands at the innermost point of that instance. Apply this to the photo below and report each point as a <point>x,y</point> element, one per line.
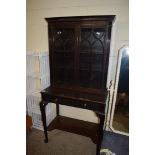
<point>76,126</point>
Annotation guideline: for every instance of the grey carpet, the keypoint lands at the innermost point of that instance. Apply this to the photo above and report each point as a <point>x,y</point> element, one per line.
<point>60,143</point>
<point>118,144</point>
<point>64,143</point>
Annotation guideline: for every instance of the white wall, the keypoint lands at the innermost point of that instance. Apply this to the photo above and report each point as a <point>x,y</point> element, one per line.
<point>37,38</point>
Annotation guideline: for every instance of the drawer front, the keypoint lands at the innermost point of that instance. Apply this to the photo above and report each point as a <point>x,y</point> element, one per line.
<point>74,103</point>
<point>94,106</point>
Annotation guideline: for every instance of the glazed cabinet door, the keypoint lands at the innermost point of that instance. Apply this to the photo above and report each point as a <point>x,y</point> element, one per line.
<point>93,56</point>
<point>62,56</point>
<point>79,53</point>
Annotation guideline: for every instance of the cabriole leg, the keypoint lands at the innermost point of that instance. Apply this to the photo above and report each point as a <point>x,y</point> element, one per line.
<point>43,113</point>
<point>57,108</point>
<point>100,133</point>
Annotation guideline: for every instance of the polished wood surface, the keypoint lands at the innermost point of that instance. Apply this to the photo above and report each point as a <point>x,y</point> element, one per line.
<point>75,99</point>
<point>77,95</point>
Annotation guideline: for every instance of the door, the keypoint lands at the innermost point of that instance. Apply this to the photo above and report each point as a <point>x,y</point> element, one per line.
<point>62,37</point>
<point>93,54</point>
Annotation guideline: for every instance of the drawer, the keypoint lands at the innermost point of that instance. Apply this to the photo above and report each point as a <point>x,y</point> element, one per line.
<point>94,106</point>
<point>82,104</point>
<point>74,103</point>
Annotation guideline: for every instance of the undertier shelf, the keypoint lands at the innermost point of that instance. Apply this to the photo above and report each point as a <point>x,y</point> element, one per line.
<point>72,125</point>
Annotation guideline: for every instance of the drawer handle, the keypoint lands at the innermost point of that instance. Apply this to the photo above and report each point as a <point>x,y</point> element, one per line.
<point>85,105</point>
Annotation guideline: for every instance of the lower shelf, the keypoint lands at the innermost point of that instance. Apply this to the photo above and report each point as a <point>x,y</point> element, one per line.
<point>80,127</point>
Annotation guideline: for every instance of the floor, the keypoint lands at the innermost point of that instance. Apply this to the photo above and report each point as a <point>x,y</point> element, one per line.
<point>60,143</point>
<point>118,144</point>
<point>121,118</point>
<point>64,143</point>
<point>121,122</point>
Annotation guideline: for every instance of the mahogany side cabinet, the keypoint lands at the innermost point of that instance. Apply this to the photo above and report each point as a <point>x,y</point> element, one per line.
<point>79,57</point>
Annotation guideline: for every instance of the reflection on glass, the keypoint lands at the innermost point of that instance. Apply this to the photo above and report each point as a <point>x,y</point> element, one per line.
<point>59,32</point>
<point>121,115</point>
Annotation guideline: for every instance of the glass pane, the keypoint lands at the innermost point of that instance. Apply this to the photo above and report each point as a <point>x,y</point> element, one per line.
<point>84,76</point>
<point>95,79</point>
<point>85,46</point>
<point>84,61</point>
<point>91,57</point>
<point>85,33</point>
<point>59,57</point>
<point>64,55</point>
<point>60,76</point>
<point>68,75</point>
<point>97,62</point>
<point>97,47</point>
